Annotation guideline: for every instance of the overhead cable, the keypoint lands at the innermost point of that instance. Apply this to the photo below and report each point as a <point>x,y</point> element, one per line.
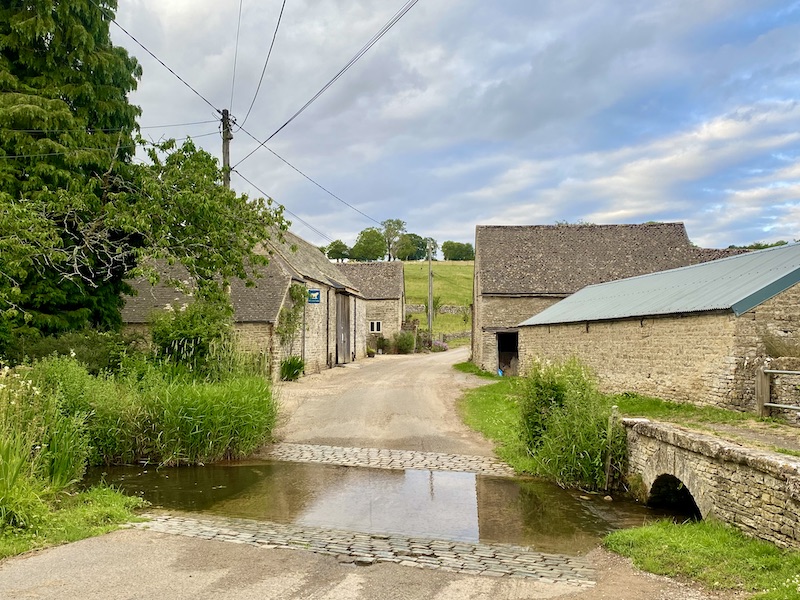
<point>304,222</point>
<point>264,70</point>
<point>374,40</point>
<point>319,185</point>
<point>236,54</point>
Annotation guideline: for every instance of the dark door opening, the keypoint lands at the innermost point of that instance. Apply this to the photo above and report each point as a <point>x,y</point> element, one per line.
<point>508,352</point>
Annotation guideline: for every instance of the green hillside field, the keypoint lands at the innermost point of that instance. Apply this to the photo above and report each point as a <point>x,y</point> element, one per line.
<point>452,282</point>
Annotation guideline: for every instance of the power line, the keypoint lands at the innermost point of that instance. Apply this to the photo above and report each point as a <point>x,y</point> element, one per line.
<point>236,53</point>
<point>306,223</point>
<point>319,185</point>
<point>161,62</point>
<point>266,62</point>
<point>374,40</point>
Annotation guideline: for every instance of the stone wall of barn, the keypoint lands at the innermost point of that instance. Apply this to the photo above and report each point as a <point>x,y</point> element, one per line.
<point>319,344</point>
<point>682,358</point>
<point>390,315</point>
<point>704,358</point>
<point>491,312</point>
<point>359,327</point>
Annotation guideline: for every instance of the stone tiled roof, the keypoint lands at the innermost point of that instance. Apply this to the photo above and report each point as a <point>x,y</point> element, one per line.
<point>308,262</point>
<point>561,259</point>
<point>257,304</point>
<point>376,280</point>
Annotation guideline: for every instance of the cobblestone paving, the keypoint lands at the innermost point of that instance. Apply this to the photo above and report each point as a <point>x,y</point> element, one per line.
<point>363,549</point>
<point>389,459</point>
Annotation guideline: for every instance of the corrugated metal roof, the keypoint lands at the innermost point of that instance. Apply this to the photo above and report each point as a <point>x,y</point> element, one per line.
<point>738,283</point>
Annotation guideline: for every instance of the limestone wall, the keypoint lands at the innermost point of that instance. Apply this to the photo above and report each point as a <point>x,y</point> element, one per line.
<point>757,492</point>
<point>681,358</point>
<point>389,313</point>
<point>499,312</point>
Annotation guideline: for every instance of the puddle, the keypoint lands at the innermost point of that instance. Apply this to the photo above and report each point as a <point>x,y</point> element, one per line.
<point>443,505</point>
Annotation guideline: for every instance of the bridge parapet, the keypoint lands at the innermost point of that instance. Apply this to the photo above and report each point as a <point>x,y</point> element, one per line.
<point>754,490</point>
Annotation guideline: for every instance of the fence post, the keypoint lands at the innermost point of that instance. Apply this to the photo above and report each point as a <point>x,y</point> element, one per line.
<point>612,418</point>
<point>762,391</point>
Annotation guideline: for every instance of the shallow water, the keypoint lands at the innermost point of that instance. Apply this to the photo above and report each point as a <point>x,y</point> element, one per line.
<point>439,504</point>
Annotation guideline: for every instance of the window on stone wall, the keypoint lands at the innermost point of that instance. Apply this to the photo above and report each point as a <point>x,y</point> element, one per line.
<point>374,326</point>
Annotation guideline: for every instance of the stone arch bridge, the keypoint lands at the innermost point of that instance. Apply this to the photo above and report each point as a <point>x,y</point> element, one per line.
<point>756,491</point>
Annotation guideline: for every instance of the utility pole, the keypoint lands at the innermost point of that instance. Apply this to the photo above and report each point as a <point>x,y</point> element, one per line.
<point>227,136</point>
<point>430,294</point>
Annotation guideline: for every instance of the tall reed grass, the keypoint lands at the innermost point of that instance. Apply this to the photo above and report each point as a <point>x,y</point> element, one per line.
<point>564,424</point>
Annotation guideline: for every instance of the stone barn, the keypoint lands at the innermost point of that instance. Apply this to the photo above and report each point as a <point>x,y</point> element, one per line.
<point>384,290</point>
<point>694,334</point>
<point>521,270</point>
<point>334,327</point>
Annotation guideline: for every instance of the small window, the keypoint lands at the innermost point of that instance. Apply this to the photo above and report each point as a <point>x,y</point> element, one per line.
<point>374,326</point>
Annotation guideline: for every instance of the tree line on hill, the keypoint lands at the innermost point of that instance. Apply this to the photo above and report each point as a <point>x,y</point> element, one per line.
<point>392,242</point>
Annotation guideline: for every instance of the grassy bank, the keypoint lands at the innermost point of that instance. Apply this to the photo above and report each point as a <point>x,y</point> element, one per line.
<point>718,556</point>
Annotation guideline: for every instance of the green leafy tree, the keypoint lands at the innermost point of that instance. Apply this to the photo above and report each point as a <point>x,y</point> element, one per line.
<point>761,245</point>
<point>337,250</point>
<point>411,246</point>
<point>76,216</point>
<point>370,245</point>
<point>392,230</point>
<point>458,251</point>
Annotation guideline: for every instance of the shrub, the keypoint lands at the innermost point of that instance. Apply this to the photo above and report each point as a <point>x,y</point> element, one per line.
<point>292,368</point>
<point>438,346</point>
<point>404,342</point>
<point>97,351</point>
<point>188,335</point>
<point>382,343</point>
<point>564,426</point>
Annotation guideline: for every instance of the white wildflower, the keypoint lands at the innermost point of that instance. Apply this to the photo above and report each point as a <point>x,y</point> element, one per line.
<point>71,353</point>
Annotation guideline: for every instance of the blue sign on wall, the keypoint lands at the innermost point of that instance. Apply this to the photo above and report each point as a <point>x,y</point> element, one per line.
<point>314,296</point>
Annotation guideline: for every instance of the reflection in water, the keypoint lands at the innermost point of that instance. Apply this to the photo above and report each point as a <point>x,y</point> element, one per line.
<point>440,504</point>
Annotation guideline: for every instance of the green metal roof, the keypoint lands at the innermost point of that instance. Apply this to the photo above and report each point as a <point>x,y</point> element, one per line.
<point>738,283</point>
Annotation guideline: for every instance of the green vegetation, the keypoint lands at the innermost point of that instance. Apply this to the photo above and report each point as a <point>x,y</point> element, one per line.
<point>634,405</point>
<point>72,517</point>
<point>452,281</point>
<point>716,555</point>
<point>291,368</point>
<point>444,323</point>
<point>553,423</point>
<point>404,342</point>
<point>473,369</point>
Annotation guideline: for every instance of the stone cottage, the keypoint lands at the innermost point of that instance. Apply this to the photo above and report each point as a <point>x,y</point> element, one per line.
<point>334,326</point>
<point>521,270</point>
<point>694,334</point>
<point>384,290</point>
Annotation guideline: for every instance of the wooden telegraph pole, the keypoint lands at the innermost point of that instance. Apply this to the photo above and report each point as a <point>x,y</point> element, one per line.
<point>430,294</point>
<point>227,136</point>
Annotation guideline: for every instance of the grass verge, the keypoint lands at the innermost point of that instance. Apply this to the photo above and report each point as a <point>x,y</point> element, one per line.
<point>716,555</point>
<point>73,517</point>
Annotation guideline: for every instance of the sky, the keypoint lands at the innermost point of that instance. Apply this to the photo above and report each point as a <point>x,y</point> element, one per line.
<point>509,112</point>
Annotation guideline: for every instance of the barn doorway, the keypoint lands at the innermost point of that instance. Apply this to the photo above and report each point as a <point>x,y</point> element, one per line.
<point>508,352</point>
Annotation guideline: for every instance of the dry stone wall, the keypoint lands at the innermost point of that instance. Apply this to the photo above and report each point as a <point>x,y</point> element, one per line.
<point>755,491</point>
